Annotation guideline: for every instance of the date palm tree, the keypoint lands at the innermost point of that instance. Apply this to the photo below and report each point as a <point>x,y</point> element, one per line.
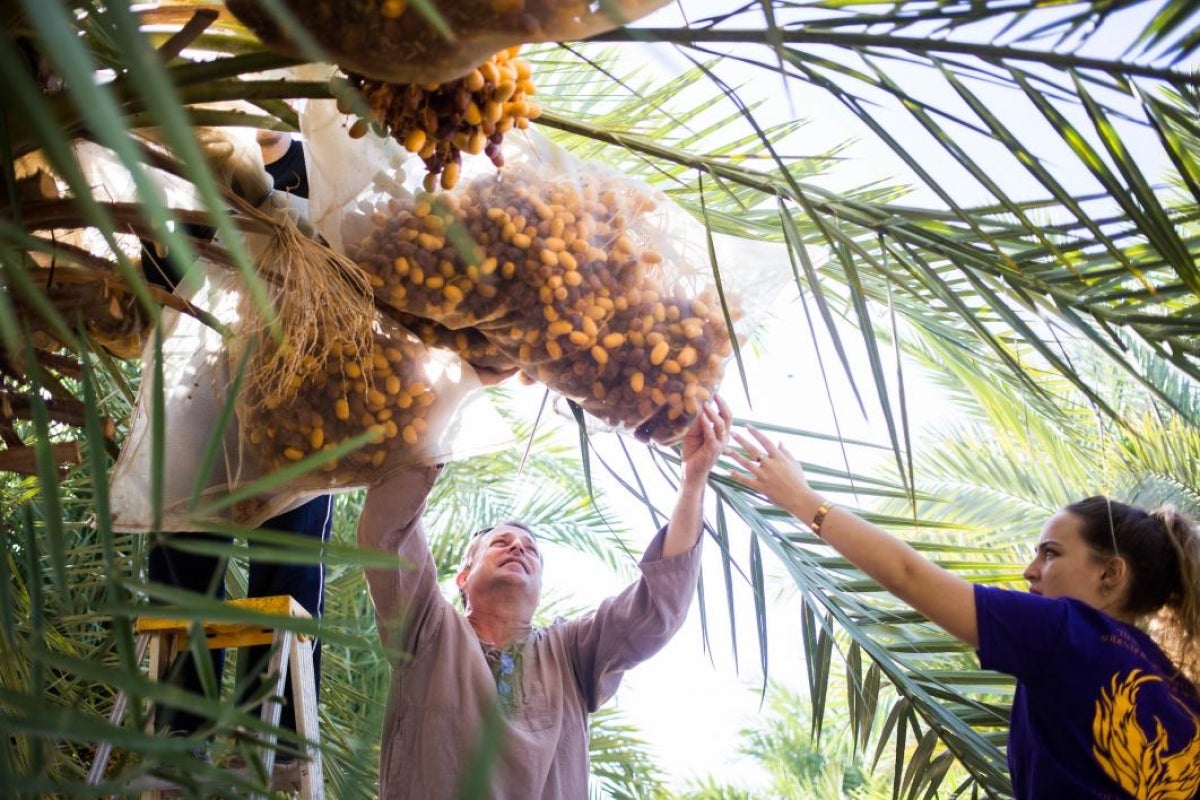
<point>1033,197</point>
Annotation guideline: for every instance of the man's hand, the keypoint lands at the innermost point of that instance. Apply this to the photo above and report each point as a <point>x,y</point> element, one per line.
<point>491,377</point>
<point>706,440</point>
<point>702,446</point>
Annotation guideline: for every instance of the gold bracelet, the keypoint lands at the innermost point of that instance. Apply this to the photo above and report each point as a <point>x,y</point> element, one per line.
<point>819,518</point>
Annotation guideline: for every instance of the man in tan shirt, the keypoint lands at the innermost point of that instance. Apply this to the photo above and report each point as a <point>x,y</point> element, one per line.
<point>489,674</point>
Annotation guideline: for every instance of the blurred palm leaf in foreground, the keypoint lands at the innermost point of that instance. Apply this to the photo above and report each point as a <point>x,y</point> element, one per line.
<point>1029,212</point>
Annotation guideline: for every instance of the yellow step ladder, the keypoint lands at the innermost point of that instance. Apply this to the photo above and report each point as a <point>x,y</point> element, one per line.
<point>165,637</point>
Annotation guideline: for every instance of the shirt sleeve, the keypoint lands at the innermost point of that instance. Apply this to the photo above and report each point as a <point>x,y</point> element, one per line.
<point>630,627</point>
<point>1019,632</point>
<point>405,597</point>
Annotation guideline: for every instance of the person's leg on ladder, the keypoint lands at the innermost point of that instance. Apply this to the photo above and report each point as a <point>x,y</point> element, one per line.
<point>305,582</point>
<point>196,572</point>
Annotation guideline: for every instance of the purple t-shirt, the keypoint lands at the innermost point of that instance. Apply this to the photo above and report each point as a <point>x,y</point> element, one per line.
<point>1099,712</point>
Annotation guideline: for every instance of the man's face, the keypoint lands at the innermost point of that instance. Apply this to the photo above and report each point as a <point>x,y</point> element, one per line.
<point>504,556</point>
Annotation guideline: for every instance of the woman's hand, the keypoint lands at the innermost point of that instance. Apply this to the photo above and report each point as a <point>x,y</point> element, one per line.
<point>770,470</point>
<point>944,598</point>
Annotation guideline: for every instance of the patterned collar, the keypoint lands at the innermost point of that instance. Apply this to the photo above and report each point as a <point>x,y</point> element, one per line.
<point>505,664</point>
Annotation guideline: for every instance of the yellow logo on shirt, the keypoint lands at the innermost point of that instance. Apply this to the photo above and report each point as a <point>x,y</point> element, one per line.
<point>1129,755</point>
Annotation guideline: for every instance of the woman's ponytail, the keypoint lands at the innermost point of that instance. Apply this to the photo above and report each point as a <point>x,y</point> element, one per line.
<point>1178,623</point>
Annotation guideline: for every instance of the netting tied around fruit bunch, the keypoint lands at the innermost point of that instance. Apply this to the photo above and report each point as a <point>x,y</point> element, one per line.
<point>587,280</point>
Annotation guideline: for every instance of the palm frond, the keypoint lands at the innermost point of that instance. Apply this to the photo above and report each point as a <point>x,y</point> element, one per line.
<point>1040,216</point>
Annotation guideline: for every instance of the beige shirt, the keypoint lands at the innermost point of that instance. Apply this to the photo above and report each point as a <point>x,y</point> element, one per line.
<point>443,691</point>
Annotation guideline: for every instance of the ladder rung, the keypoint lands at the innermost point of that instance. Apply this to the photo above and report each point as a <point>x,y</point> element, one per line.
<point>229,634</point>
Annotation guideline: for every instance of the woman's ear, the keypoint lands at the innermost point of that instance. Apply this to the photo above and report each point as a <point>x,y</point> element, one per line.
<point>1115,574</point>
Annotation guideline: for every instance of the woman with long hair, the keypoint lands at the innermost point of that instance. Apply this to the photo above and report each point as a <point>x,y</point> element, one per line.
<point>1105,645</point>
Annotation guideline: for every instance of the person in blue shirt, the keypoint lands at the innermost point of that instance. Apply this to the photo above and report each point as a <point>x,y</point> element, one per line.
<point>1103,709</point>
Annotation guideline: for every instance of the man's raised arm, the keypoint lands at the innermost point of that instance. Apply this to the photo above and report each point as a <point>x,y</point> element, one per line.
<point>391,522</point>
<point>702,446</point>
<point>633,625</point>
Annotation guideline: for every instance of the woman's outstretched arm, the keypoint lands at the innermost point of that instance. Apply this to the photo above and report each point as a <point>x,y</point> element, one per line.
<point>942,597</point>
